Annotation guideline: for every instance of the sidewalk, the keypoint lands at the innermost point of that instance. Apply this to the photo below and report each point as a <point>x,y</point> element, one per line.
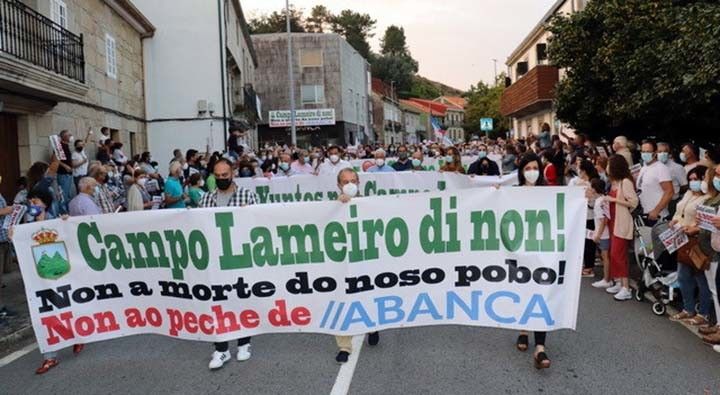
<point>17,329</point>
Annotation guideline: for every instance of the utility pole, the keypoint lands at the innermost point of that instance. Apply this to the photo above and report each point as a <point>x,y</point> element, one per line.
<point>392,122</point>
<point>495,67</point>
<point>291,76</point>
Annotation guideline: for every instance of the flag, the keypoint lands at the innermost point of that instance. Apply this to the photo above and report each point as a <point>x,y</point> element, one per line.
<point>437,128</point>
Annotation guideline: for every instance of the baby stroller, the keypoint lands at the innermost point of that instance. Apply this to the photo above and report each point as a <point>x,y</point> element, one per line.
<point>659,276</point>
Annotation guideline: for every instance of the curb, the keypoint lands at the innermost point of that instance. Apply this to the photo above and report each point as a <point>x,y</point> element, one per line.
<point>670,311</point>
<point>20,335</point>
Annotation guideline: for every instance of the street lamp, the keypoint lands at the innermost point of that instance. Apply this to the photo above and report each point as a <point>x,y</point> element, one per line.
<point>495,67</point>
<point>291,76</point>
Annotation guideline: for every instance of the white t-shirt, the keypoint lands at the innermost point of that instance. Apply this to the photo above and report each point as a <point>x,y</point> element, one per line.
<point>328,168</point>
<point>599,214</point>
<point>679,177</point>
<point>651,192</point>
<point>80,171</point>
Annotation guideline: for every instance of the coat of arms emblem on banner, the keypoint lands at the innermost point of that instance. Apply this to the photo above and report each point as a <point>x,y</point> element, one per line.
<point>51,257</point>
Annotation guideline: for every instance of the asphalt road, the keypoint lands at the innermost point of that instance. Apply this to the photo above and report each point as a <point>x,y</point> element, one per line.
<point>619,348</point>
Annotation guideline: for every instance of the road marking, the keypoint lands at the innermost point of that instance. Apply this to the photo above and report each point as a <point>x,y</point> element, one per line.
<point>347,370</point>
<point>18,354</point>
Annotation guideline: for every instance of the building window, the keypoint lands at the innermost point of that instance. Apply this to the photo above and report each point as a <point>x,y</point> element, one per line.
<point>311,58</point>
<point>541,50</point>
<point>312,94</point>
<point>521,69</point>
<point>58,12</point>
<point>110,57</point>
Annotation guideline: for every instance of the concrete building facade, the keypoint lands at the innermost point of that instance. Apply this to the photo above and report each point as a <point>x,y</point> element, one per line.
<point>529,94</point>
<point>68,65</point>
<point>331,78</point>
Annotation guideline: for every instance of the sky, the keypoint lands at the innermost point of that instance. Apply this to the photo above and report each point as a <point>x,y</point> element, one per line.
<point>455,41</point>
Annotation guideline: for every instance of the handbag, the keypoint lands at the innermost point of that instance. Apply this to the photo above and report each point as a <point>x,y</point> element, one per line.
<point>692,255</point>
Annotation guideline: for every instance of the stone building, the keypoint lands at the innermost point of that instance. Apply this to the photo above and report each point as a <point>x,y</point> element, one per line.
<point>68,64</point>
<point>332,89</point>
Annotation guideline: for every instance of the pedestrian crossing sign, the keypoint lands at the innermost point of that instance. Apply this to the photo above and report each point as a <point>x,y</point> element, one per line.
<point>486,124</point>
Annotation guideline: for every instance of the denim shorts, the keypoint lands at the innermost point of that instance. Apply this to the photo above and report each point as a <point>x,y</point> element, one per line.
<point>604,245</point>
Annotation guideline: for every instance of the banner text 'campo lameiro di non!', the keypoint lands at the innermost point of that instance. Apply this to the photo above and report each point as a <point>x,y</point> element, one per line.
<point>470,258</point>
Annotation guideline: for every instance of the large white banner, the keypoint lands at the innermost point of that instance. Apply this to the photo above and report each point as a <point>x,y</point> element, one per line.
<point>430,164</point>
<point>310,188</point>
<point>508,257</point>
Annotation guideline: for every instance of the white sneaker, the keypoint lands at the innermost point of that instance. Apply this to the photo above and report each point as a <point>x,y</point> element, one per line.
<point>716,348</point>
<point>614,289</point>
<point>624,294</point>
<point>602,284</point>
<point>219,359</point>
<point>244,353</point>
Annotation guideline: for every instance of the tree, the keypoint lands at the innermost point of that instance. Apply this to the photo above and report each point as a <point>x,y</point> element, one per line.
<point>397,69</point>
<point>640,68</point>
<point>276,22</point>
<point>394,64</point>
<point>394,42</point>
<point>484,102</point>
<point>319,20</point>
<point>356,28</point>
<point>423,89</point>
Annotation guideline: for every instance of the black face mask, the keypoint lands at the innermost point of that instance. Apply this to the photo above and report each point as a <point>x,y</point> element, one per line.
<point>223,184</point>
<point>246,173</point>
<point>79,149</point>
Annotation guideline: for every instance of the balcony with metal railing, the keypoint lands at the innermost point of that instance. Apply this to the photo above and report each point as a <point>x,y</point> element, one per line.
<point>30,36</point>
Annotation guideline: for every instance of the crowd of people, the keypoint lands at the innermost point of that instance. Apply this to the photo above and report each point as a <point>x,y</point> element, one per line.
<point>661,183</point>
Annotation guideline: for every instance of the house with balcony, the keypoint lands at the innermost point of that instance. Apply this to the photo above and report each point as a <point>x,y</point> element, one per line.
<point>387,114</point>
<point>455,118</point>
<point>531,79</point>
<point>68,65</point>
<point>200,72</point>
<point>332,90</point>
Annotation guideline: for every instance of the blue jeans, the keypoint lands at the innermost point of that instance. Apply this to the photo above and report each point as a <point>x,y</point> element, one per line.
<point>690,280</point>
<point>66,183</point>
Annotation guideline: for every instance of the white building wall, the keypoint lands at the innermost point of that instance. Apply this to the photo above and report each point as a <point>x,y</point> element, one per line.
<point>182,66</point>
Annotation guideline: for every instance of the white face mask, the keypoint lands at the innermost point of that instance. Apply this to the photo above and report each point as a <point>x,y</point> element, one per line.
<point>334,158</point>
<point>379,162</point>
<point>185,166</point>
<point>201,183</point>
<point>350,189</point>
<point>704,187</point>
<point>142,182</point>
<point>532,176</point>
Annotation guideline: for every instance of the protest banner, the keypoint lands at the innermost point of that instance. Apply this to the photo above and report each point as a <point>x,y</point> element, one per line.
<point>309,188</point>
<point>56,145</point>
<point>15,216</point>
<point>705,216</point>
<point>429,164</point>
<point>673,239</point>
<point>502,258</point>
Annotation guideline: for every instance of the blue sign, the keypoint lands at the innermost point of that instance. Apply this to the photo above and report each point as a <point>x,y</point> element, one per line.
<point>486,124</point>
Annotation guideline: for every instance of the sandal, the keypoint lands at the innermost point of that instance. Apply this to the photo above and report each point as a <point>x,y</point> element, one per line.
<point>542,361</point>
<point>522,343</point>
<point>588,273</point>
<point>47,365</point>
<point>709,330</point>
<point>696,321</point>
<point>683,315</point>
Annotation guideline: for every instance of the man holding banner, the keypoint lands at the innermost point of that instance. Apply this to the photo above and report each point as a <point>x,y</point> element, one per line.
<point>228,194</point>
<point>349,184</point>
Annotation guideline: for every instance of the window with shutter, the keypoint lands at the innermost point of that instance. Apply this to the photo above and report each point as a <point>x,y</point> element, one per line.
<point>110,57</point>
<point>58,12</point>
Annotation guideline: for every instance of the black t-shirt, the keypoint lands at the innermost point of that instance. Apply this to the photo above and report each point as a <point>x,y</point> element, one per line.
<point>399,166</point>
<point>67,161</point>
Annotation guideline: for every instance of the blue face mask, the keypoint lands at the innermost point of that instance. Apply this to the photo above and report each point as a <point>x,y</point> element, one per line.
<point>416,162</point>
<point>663,157</point>
<point>696,186</point>
<point>716,183</point>
<point>34,210</point>
<point>647,157</point>
<point>449,159</point>
<point>482,154</point>
<point>246,173</point>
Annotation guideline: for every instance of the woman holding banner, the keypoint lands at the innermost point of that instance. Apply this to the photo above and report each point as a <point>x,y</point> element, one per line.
<point>530,175</point>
